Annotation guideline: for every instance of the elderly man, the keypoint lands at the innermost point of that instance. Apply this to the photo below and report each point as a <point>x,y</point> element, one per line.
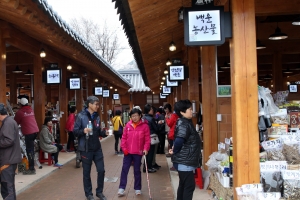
<point>10,154</point>
<point>90,147</point>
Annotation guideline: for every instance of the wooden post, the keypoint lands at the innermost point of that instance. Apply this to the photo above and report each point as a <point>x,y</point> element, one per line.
<point>277,72</point>
<point>63,104</point>
<point>209,103</point>
<point>39,91</point>
<point>193,78</point>
<point>2,69</point>
<point>244,99</point>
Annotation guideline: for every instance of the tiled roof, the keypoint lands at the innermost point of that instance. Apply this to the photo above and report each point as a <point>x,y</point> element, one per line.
<point>46,7</point>
<point>135,78</point>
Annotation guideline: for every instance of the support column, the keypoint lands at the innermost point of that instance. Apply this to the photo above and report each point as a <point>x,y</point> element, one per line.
<point>193,94</point>
<point>2,69</point>
<point>209,103</point>
<point>244,94</point>
<point>63,104</point>
<point>277,72</point>
<point>38,91</point>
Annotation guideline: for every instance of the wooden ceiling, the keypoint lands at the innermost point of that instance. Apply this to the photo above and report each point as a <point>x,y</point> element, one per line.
<point>27,26</point>
<point>152,25</point>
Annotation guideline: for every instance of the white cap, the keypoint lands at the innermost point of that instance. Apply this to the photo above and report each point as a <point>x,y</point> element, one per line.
<point>23,101</point>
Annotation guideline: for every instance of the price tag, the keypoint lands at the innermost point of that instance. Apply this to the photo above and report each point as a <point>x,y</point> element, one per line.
<point>252,187</point>
<point>227,141</point>
<point>272,144</point>
<point>273,166</point>
<point>268,195</point>
<point>290,175</point>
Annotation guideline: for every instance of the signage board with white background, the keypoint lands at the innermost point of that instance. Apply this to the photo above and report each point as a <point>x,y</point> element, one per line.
<point>162,96</point>
<point>74,83</point>
<point>105,93</point>
<point>166,90</point>
<point>116,96</point>
<point>53,76</point>
<point>98,91</point>
<point>176,73</point>
<point>171,83</point>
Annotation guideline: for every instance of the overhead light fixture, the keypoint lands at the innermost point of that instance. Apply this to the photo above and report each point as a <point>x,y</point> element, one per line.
<point>111,87</point>
<point>166,71</point>
<point>172,46</point>
<point>225,66</point>
<point>287,71</point>
<point>17,70</point>
<point>259,45</point>
<point>96,80</point>
<point>69,67</point>
<point>29,73</point>
<point>296,21</point>
<point>43,53</point>
<point>278,35</point>
<point>168,62</point>
<point>85,74</point>
<point>163,78</point>
<point>180,14</point>
<point>116,90</point>
<point>162,83</point>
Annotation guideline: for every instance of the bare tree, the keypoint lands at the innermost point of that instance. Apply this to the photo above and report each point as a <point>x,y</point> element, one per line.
<point>102,39</point>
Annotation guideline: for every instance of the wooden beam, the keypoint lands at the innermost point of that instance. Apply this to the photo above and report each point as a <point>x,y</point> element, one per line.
<point>244,99</point>
<point>2,69</point>
<point>278,7</point>
<point>209,103</point>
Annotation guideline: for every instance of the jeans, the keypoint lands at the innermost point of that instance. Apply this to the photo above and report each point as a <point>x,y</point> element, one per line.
<point>87,158</point>
<point>117,137</point>
<point>161,144</point>
<point>29,142</point>
<point>55,155</point>
<point>186,185</point>
<point>7,178</point>
<point>137,171</point>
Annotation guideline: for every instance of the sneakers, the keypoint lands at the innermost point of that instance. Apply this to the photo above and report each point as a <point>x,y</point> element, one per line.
<point>116,152</point>
<point>57,165</point>
<point>29,172</point>
<point>101,196</point>
<point>138,192</point>
<point>121,192</point>
<point>90,197</point>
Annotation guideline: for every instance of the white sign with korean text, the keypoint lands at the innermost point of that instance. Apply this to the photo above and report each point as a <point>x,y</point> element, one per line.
<point>162,96</point>
<point>98,90</point>
<point>166,90</point>
<point>74,83</point>
<point>177,73</point>
<point>171,83</point>
<point>115,96</point>
<point>105,93</point>
<point>53,76</point>
<point>204,25</point>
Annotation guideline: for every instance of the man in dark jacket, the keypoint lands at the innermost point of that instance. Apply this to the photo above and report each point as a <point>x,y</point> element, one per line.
<point>186,150</point>
<point>90,147</point>
<point>25,117</point>
<point>10,154</point>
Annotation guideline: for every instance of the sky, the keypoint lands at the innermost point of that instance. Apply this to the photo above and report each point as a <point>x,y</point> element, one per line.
<point>98,11</point>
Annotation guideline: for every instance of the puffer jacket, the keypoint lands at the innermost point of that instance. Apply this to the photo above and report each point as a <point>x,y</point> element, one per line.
<point>25,117</point>
<point>152,123</point>
<point>70,122</point>
<point>47,140</point>
<point>81,123</point>
<point>190,152</point>
<point>136,140</point>
<point>171,122</point>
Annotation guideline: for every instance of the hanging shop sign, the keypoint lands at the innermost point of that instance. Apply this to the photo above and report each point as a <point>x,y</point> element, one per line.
<point>116,96</point>
<point>98,91</point>
<point>105,93</point>
<point>206,25</point>
<point>166,90</point>
<point>74,83</point>
<point>162,96</point>
<point>177,73</point>
<point>171,83</point>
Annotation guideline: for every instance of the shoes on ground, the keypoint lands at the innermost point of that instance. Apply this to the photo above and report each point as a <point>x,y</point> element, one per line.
<point>68,150</point>
<point>116,152</point>
<point>121,192</point>
<point>101,196</point>
<point>41,167</point>
<point>156,166</point>
<point>29,172</point>
<point>77,163</point>
<point>168,155</point>
<point>151,170</point>
<point>138,192</point>
<point>121,152</point>
<point>90,197</point>
<point>173,169</point>
<point>57,165</point>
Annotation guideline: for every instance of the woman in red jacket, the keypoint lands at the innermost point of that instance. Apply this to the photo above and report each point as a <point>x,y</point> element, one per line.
<point>70,126</point>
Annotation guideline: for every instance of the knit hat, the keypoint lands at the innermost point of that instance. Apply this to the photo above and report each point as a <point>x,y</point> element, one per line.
<point>23,101</point>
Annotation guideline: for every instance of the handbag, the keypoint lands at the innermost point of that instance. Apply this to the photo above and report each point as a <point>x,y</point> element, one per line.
<point>120,129</point>
<point>154,139</point>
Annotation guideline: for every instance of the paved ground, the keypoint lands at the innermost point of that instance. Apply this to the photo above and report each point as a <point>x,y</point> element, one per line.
<point>66,183</point>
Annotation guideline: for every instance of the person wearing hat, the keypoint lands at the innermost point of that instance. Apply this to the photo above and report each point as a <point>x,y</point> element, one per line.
<point>90,147</point>
<point>10,154</point>
<point>26,119</point>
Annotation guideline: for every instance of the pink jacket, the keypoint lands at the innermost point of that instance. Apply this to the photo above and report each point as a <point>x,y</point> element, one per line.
<point>70,122</point>
<point>136,140</point>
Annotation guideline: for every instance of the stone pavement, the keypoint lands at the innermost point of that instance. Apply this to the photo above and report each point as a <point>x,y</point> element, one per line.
<point>66,183</point>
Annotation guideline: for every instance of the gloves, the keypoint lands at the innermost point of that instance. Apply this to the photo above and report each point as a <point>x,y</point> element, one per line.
<point>125,152</point>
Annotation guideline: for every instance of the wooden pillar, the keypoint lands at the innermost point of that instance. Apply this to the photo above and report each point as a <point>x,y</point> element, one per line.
<point>193,93</point>
<point>13,88</point>
<point>63,104</point>
<point>244,99</point>
<point>2,69</point>
<point>79,99</point>
<point>184,89</point>
<point>209,103</point>
<point>277,72</point>
<point>38,91</point>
